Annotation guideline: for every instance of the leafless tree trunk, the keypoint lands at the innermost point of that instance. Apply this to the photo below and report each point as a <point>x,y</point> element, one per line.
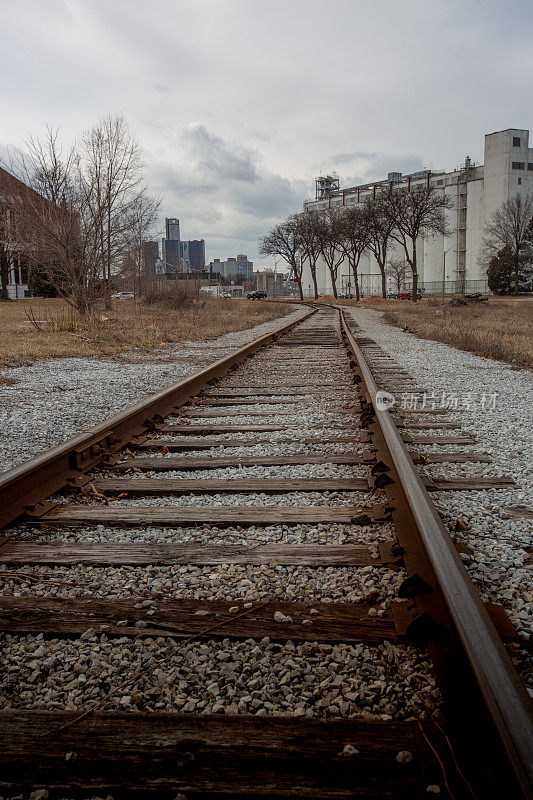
<point>508,228</point>
<point>283,240</point>
<point>413,214</point>
<point>327,226</point>
<point>138,226</point>
<point>5,252</point>
<point>77,214</point>
<point>51,222</point>
<point>309,245</point>
<point>379,228</point>
<point>397,270</point>
<point>113,169</point>
<point>354,239</point>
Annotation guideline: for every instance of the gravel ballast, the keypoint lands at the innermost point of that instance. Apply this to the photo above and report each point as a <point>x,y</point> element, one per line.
<point>500,545</point>
<point>51,401</point>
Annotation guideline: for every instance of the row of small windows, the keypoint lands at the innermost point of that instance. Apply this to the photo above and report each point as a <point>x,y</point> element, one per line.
<point>522,165</point>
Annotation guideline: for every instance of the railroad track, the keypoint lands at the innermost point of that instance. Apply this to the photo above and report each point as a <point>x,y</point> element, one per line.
<point>240,587</point>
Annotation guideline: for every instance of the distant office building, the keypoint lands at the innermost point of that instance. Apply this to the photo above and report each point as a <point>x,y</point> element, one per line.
<point>196,254</point>
<point>171,246</point>
<point>178,254</point>
<point>171,252</point>
<point>233,266</point>
<point>150,256</point>
<point>172,229</point>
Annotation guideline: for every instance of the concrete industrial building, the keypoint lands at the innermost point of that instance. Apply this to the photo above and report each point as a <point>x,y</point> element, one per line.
<point>233,266</point>
<point>271,282</point>
<point>476,191</point>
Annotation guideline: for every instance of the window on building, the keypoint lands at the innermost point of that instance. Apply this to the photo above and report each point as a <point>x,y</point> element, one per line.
<point>520,181</point>
<point>516,141</point>
<point>518,165</point>
<point>530,167</point>
<point>439,183</point>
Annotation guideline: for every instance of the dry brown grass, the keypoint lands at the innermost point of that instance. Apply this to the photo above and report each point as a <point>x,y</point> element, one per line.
<point>130,324</point>
<point>499,329</point>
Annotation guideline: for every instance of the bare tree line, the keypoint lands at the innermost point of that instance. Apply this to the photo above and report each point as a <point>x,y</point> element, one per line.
<point>392,219</point>
<point>82,213</point>
<point>346,233</point>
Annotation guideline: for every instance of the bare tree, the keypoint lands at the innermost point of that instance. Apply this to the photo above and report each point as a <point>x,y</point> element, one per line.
<point>309,244</point>
<point>396,269</point>
<point>52,223</point>
<point>379,229</point>
<point>137,227</point>
<point>508,230</point>
<point>112,170</point>
<point>413,214</point>
<point>327,225</point>
<point>283,240</point>
<point>354,238</point>
<point>81,211</point>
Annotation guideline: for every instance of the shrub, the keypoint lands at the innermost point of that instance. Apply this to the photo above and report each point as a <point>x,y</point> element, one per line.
<point>175,298</point>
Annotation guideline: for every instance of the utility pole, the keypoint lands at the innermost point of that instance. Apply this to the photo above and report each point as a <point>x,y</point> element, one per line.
<point>444,268</point>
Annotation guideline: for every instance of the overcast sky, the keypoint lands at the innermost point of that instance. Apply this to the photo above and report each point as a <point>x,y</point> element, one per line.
<point>239,104</point>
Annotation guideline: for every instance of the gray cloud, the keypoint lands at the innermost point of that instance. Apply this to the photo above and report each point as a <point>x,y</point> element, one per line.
<point>222,191</point>
<point>346,158</point>
<point>218,158</point>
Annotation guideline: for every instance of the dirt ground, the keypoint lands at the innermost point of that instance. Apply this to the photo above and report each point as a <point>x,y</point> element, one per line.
<point>58,332</point>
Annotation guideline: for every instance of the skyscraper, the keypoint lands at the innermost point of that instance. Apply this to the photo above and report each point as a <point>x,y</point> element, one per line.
<point>196,249</point>
<point>180,255</point>
<point>172,229</point>
<point>171,245</point>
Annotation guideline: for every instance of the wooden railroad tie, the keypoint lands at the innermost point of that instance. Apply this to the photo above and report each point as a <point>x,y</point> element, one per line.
<point>438,458</point>
<point>162,486</point>
<point>306,555</point>
<point>196,411</point>
<point>188,443</point>
<point>328,622</point>
<point>155,616</point>
<point>235,755</point>
<point>167,463</point>
<point>207,430</point>
<point>178,486</point>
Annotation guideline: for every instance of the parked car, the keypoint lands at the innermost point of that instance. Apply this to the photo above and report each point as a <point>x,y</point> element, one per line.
<point>409,295</point>
<point>392,295</point>
<point>256,295</point>
<point>347,296</point>
<point>122,296</point>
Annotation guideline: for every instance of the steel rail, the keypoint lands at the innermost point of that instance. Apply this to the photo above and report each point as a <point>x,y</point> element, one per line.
<point>32,482</point>
<point>505,695</point>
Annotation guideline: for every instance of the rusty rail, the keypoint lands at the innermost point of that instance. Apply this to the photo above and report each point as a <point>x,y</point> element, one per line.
<point>505,696</point>
<point>26,486</point>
